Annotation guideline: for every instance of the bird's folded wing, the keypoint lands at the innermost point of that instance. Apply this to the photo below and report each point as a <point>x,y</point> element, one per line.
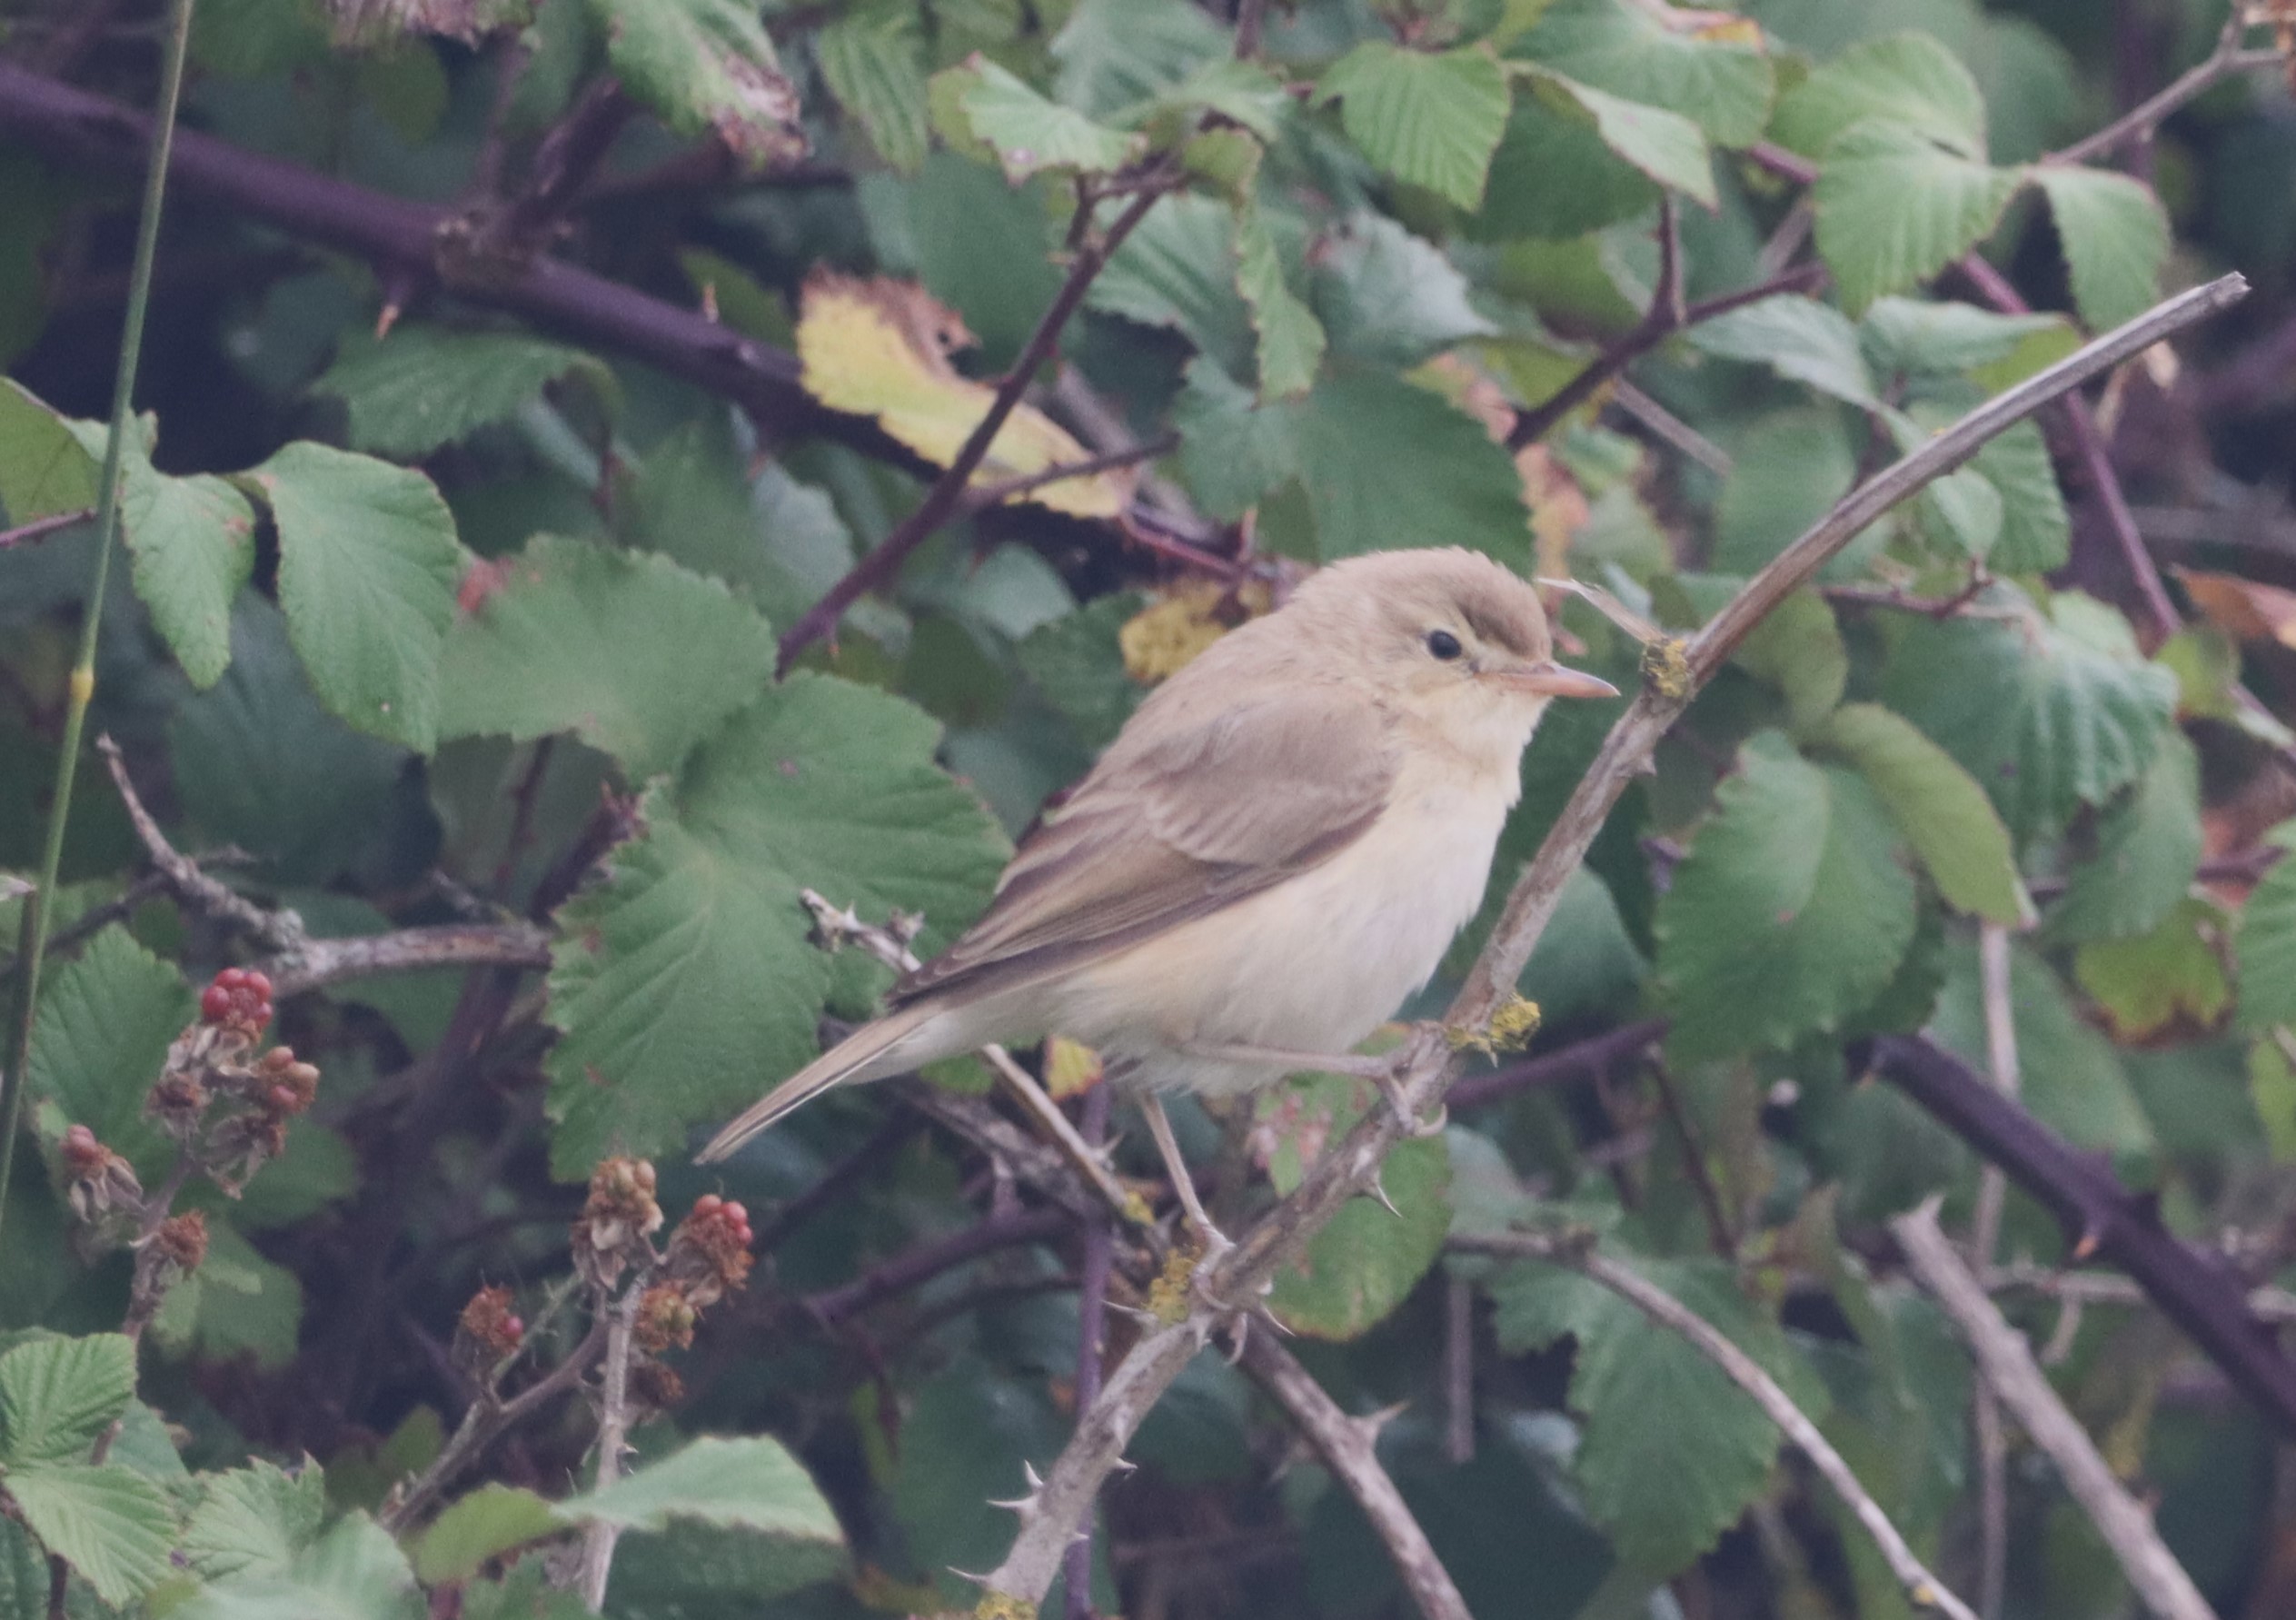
<point>1164,833</point>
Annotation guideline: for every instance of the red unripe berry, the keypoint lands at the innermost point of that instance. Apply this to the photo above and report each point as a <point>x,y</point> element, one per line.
<point>215,1003</point>
<point>708,1203</point>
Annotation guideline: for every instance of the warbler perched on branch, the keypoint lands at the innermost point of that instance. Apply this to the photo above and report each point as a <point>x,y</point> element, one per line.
<point>1273,854</point>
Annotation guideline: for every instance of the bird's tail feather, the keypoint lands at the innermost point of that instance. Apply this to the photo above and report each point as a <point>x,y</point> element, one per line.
<point>868,1053</point>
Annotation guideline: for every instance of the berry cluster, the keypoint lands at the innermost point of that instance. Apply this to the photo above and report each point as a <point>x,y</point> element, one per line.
<point>237,999</point>
<point>488,1329</point>
<point>616,1218</point>
<point>709,1251</point>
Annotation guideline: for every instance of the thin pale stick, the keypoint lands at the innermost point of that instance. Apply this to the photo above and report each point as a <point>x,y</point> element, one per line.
<point>1923,1589</point>
<point>2005,1361</point>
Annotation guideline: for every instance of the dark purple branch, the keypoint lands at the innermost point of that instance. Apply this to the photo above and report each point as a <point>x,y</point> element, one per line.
<point>941,502</point>
<point>905,1271</point>
<point>2199,1291</point>
<point>1667,316</point>
<point>1588,1058</point>
<point>568,154</point>
<point>402,239</point>
<point>39,529</point>
<point>2160,619</point>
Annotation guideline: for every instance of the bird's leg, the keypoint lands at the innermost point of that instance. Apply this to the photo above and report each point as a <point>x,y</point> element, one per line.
<point>1382,1071</point>
<point>1183,1184</point>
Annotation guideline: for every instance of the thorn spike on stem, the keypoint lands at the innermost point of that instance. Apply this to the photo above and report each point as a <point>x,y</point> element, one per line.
<point>1379,1190</point>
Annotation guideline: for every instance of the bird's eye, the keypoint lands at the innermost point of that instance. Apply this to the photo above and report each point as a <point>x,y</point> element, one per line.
<point>1444,644</point>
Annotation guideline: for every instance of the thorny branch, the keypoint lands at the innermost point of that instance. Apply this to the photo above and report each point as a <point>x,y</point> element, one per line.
<point>1578,1253</point>
<point>1349,1447</point>
<point>2005,1363</point>
<point>600,1537</point>
<point>1676,672</point>
<point>1984,1238</point>
<point>2139,122</point>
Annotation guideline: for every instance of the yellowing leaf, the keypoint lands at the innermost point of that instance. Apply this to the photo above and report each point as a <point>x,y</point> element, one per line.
<point>880,348</point>
<point>1070,1067</point>
<point>2242,609</point>
<point>1160,641</point>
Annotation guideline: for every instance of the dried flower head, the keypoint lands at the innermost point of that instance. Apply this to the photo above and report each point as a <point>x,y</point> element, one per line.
<point>488,1329</point>
<point>710,1252</point>
<point>617,1218</point>
<point>99,1185</point>
<point>665,1319</point>
<point>181,1240</point>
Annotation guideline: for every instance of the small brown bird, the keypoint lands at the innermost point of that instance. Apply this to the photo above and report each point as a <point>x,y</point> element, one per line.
<point>1274,853</point>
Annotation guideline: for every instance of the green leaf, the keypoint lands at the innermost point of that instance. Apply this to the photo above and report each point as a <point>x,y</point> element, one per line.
<point>105,1020</point>
<point>2271,1090</point>
<point>1910,80</point>
<point>353,1571</point>
<point>2047,716</point>
<point>237,1303</point>
<point>1389,298</point>
<point>1789,912</point>
<point>2036,533</point>
<point>44,469</point>
<point>486,1524</point>
<point>253,1521</point>
<point>1178,270</point>
<point>707,69</point>
<point>1921,337</point>
<point>2072,1078</point>
<point>1031,133</point>
<point>1291,341</point>
<point>2151,983</point>
<point>1365,1260</point>
<point>1553,178</point>
<point>1356,431</point>
<point>1112,55</point>
<point>368,565</point>
<point>631,654</point>
<point>2148,848</point>
<point>1939,807</point>
<point>1895,208</point>
<point>2115,236</point>
<point>1241,93</point>
<point>57,1394</point>
<point>259,764</point>
<point>1667,147</point>
<point>965,1436</point>
<point>193,542</point>
<point>1723,83</point>
<point>688,977</point>
<point>2265,946</point>
<point>1797,649</point>
<point>109,1522</point>
<point>1430,119</point>
<point>1800,339</point>
<point>426,386</point>
<point>698,1571</point>
<point>1233,450</point>
<point>1077,664</point>
<point>874,63</point>
<point>1788,469</point>
<point>1673,1451</point>
<point>751,1484</point>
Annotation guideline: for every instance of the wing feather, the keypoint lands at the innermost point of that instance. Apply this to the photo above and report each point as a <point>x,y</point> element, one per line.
<point>1189,817</point>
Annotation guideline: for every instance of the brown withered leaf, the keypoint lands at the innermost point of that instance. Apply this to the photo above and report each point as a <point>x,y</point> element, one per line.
<point>2242,609</point>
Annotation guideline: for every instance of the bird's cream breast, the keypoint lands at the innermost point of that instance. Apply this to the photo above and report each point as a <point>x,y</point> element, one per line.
<point>1354,937</point>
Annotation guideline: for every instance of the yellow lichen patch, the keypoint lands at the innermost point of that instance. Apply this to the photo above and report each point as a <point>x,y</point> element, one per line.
<point>1167,1295</point>
<point>1666,668</point>
<point>1003,1606</point>
<point>1164,637</point>
<point>1070,1067</point>
<point>880,348</point>
<point>1509,1031</point>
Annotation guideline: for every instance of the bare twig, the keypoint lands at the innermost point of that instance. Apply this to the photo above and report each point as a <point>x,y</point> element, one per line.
<point>39,529</point>
<point>1722,1232</point>
<point>1984,1238</point>
<point>2096,1287</point>
<point>1923,1589</point>
<point>2139,122</point>
<point>941,500</point>
<point>282,931</point>
<point>1349,1447</point>
<point>487,1417</point>
<point>2006,1364</point>
<point>904,1271</point>
<point>508,944</point>
<point>1092,1329</point>
<point>996,495</point>
<point>1458,1372</point>
<point>599,1538</point>
<point>891,947</point>
<point>1428,1062</point>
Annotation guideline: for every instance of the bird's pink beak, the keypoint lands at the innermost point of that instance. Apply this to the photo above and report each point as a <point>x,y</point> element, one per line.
<point>1547,679</point>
